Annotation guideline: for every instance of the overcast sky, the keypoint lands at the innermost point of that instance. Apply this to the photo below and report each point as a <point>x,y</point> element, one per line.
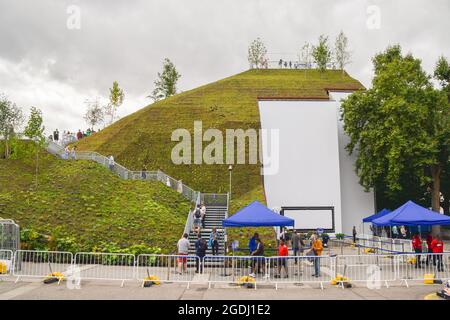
<point>45,63</point>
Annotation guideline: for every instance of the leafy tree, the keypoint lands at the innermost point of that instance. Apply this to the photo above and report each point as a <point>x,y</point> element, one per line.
<point>322,53</point>
<point>257,54</point>
<point>116,97</point>
<point>10,119</point>
<point>94,114</point>
<point>166,83</point>
<point>306,55</point>
<point>35,131</point>
<point>399,127</point>
<point>442,74</point>
<point>342,55</point>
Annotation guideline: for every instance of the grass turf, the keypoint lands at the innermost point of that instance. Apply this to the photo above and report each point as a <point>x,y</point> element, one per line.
<point>84,201</point>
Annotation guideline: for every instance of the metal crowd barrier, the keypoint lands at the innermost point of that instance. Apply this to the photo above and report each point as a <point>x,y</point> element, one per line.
<point>415,266</point>
<point>233,269</point>
<point>375,269</point>
<point>300,269</point>
<point>372,269</point>
<point>41,264</point>
<point>168,268</point>
<point>105,266</point>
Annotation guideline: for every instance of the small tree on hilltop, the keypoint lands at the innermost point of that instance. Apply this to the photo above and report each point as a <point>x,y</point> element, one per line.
<point>341,52</point>
<point>94,114</point>
<point>166,83</point>
<point>10,119</point>
<point>322,53</point>
<point>257,54</point>
<point>305,56</point>
<point>35,131</point>
<point>116,97</point>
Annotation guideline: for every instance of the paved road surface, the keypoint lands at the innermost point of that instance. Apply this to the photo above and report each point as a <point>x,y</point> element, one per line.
<point>34,289</point>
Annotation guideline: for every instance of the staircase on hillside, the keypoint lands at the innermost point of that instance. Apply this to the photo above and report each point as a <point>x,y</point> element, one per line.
<point>214,216</point>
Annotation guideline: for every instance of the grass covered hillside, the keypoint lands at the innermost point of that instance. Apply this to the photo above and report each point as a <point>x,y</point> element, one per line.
<point>82,206</point>
<point>231,103</point>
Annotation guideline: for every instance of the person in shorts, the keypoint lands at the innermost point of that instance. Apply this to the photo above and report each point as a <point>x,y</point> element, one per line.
<point>183,251</point>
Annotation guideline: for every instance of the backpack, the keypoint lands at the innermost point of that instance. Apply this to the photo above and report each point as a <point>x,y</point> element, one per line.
<point>197,213</point>
<point>203,245</point>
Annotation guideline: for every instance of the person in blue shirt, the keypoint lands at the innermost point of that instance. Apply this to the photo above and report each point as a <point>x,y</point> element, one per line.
<point>252,243</point>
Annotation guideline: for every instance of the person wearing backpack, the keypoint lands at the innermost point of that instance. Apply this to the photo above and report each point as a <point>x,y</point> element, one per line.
<point>214,241</point>
<point>197,219</point>
<point>200,251</point>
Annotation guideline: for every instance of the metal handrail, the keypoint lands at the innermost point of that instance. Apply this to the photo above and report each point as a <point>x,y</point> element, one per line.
<point>123,172</point>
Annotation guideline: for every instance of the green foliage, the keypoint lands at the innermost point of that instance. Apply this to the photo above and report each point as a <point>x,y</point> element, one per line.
<point>395,126</point>
<point>80,204</point>
<point>166,84</point>
<point>322,53</point>
<point>340,236</point>
<point>257,54</point>
<point>342,55</point>
<point>10,119</point>
<point>116,97</point>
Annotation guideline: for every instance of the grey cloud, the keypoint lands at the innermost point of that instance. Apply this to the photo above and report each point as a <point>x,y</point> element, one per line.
<point>206,39</point>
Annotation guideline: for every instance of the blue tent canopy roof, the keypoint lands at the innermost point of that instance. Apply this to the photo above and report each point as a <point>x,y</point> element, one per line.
<point>257,215</point>
<point>377,215</point>
<point>411,214</point>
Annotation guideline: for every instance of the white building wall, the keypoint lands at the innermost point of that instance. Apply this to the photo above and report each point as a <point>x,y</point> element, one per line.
<point>356,204</point>
<point>309,155</point>
<point>314,168</point>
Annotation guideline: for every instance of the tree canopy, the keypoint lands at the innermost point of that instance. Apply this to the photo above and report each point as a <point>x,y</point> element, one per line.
<point>10,119</point>
<point>166,83</point>
<point>321,53</point>
<point>257,54</point>
<point>398,127</point>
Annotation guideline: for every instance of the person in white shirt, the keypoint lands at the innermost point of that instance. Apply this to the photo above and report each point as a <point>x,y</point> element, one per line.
<point>111,162</point>
<point>203,214</point>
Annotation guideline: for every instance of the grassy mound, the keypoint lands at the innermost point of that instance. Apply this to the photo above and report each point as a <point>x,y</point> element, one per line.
<point>144,137</point>
<point>231,103</point>
<point>82,206</point>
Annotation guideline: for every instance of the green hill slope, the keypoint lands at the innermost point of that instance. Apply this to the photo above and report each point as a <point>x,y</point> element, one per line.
<point>231,103</point>
<point>81,204</point>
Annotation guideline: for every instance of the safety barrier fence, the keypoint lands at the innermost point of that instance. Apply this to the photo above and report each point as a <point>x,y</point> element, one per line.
<point>234,269</point>
<point>375,269</point>
<point>105,266</point>
<point>41,264</point>
<point>300,269</point>
<point>371,269</point>
<point>125,173</point>
<point>9,234</point>
<point>414,266</point>
<point>168,268</point>
<point>398,245</point>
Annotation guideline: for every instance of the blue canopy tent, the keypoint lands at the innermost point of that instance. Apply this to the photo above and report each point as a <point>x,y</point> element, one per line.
<point>257,215</point>
<point>377,215</point>
<point>411,214</point>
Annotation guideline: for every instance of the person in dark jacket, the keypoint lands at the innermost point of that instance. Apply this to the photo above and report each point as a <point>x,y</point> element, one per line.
<point>200,251</point>
<point>252,243</point>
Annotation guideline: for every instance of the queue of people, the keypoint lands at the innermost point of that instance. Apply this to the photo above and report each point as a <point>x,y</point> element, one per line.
<point>69,137</point>
<point>435,250</point>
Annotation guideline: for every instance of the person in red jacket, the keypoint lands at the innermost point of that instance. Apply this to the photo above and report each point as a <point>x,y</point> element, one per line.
<point>417,246</point>
<point>438,248</point>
